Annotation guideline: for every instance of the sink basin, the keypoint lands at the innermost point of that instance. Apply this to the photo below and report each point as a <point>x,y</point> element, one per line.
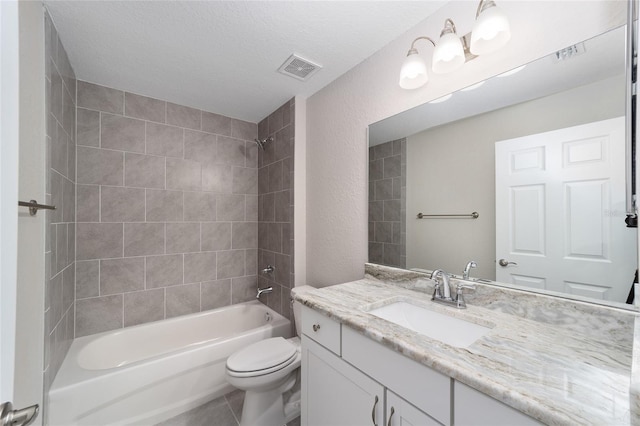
<point>452,331</point>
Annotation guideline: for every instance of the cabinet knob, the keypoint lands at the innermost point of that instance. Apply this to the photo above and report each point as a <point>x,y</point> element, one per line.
<point>316,327</point>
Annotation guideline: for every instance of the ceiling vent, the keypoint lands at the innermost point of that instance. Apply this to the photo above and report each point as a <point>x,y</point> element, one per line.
<point>299,68</point>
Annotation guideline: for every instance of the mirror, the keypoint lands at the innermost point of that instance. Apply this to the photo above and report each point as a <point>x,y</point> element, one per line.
<point>538,153</point>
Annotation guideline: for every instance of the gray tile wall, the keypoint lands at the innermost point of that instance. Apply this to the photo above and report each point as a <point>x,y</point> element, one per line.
<point>60,190</point>
<point>275,211</point>
<point>167,210</point>
<point>387,203</point>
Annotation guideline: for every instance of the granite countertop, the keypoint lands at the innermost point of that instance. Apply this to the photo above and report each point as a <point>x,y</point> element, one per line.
<point>558,361</point>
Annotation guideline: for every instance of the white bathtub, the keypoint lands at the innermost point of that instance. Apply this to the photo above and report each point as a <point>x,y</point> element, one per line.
<point>151,372</point>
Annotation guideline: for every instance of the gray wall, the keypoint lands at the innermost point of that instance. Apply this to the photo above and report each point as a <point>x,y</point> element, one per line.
<point>275,212</point>
<point>60,86</point>
<point>387,203</point>
<point>167,210</point>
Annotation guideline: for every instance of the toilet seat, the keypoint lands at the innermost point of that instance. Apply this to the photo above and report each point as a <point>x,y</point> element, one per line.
<point>263,357</point>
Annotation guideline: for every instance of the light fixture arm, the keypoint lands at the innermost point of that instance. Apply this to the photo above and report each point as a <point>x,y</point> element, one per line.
<point>413,49</point>
<point>449,27</point>
<point>482,5</point>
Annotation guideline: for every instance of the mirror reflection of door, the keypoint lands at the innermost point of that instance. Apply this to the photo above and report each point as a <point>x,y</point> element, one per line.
<point>560,210</point>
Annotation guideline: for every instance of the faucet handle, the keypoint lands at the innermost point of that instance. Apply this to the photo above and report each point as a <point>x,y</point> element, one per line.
<point>460,303</point>
<point>461,286</point>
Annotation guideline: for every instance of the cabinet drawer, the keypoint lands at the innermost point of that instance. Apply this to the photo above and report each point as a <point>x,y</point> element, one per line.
<point>423,387</point>
<point>322,329</point>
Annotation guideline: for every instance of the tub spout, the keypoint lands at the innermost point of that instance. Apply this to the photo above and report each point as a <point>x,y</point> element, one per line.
<point>263,290</point>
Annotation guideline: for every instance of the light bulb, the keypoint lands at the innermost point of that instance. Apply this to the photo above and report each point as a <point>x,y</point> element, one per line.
<point>448,55</point>
<point>491,31</point>
<point>413,73</point>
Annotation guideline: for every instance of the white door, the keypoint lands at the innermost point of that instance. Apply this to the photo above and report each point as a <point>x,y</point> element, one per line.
<point>22,175</point>
<point>560,210</point>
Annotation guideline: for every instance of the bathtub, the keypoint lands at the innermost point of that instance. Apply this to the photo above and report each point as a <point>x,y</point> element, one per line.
<point>151,372</point>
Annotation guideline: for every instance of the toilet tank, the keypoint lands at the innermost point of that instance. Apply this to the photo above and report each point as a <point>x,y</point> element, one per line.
<point>297,308</point>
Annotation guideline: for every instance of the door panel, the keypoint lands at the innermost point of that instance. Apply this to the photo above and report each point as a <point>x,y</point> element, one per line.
<point>560,210</point>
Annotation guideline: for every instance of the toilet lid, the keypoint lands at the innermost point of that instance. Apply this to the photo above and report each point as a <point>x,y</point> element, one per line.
<point>262,355</point>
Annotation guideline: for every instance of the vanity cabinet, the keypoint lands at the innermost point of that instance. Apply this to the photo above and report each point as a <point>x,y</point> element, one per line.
<point>401,413</point>
<point>474,408</point>
<point>349,379</point>
<point>335,393</point>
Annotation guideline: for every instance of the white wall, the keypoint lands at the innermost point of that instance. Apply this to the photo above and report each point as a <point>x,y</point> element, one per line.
<point>462,153</point>
<point>338,115</point>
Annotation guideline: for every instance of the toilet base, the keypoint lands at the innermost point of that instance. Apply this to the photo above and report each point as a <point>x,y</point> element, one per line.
<point>268,408</point>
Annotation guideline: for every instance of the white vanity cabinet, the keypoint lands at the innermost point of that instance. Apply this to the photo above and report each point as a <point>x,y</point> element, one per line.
<point>401,413</point>
<point>335,393</point>
<point>349,379</point>
<point>474,408</point>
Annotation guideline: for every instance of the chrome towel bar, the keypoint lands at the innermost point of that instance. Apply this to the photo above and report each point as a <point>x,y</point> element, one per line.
<point>473,215</point>
<point>34,206</point>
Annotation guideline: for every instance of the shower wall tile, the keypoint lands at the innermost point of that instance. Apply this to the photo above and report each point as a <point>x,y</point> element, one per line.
<point>60,190</point>
<point>183,237</point>
<point>200,266</point>
<point>100,98</point>
<point>183,300</point>
<point>98,240</point>
<point>143,306</point>
<point>145,108</point>
<point>387,178</point>
<point>167,210</point>
<point>275,206</point>
<point>122,133</point>
<point>216,236</point>
<point>164,140</point>
<point>164,206</point>
<point>183,116</point>
<point>141,239</point>
<point>98,314</point>
<point>215,294</point>
<point>164,271</point>
<point>119,204</point>
<point>144,171</point>
<point>99,166</point>
<point>218,124</point>
<point>244,130</point>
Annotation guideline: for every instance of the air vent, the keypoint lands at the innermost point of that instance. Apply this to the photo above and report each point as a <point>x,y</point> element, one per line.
<point>299,68</point>
<point>569,52</point>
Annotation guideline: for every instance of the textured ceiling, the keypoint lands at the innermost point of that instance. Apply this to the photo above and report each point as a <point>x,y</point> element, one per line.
<point>223,56</point>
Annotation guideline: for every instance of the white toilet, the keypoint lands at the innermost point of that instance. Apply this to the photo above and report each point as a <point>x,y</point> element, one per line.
<point>265,370</point>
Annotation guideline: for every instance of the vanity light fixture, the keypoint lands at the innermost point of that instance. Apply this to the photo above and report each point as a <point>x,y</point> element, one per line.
<point>490,32</point>
<point>448,55</point>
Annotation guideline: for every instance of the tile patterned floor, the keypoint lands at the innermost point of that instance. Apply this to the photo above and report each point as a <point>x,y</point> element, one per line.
<point>223,411</point>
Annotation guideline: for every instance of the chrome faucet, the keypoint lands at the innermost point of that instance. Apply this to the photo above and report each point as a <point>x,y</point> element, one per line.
<point>444,296</point>
<point>446,289</point>
<point>263,290</point>
<point>467,269</point>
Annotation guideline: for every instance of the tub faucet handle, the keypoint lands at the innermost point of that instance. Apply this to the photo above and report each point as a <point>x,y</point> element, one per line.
<point>268,270</point>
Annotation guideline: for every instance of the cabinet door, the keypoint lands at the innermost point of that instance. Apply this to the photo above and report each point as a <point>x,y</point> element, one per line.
<point>474,408</point>
<point>401,413</point>
<point>336,394</point>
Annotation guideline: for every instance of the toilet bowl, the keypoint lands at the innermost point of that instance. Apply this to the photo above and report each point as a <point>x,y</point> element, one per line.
<point>265,370</point>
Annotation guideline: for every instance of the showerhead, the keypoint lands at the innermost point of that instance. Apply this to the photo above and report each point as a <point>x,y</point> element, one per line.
<point>263,142</point>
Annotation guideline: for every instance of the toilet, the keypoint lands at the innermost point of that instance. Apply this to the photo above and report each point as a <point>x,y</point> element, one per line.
<point>266,370</point>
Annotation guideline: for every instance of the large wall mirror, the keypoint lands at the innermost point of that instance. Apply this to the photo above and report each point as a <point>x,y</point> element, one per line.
<point>538,153</point>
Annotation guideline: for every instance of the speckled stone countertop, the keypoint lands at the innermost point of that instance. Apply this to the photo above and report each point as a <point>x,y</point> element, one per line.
<point>556,360</point>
